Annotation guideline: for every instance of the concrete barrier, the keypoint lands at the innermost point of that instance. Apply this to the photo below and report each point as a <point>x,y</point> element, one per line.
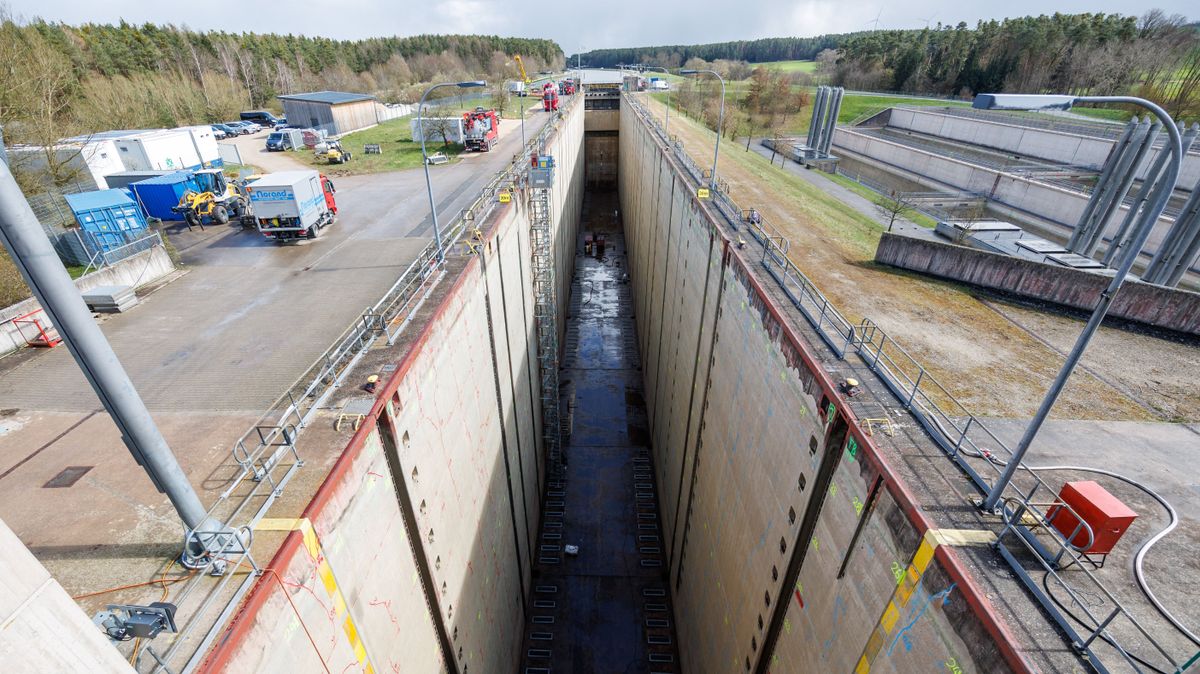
<point>415,554</point>
<point>1056,206</point>
<point>790,535</point>
<point>137,270</point>
<point>1169,308</point>
<point>1049,144</point>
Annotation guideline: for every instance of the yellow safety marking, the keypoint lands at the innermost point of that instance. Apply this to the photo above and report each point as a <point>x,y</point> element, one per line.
<point>325,572</point>
<point>910,581</point>
<point>960,537</point>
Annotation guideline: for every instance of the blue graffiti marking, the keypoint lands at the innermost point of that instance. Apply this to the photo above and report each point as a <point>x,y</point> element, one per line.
<point>926,601</point>
<point>839,609</point>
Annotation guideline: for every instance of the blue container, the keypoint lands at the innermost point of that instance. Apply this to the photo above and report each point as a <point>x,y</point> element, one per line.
<point>159,195</point>
<point>109,217</point>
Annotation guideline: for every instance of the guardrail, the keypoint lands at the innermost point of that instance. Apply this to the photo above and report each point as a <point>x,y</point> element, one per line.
<point>266,456</point>
<point>1029,504</point>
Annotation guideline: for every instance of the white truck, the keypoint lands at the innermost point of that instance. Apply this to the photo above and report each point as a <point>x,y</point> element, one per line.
<point>517,88</point>
<point>292,205</point>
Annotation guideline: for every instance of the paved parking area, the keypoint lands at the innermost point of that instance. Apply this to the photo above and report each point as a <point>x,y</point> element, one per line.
<point>209,353</point>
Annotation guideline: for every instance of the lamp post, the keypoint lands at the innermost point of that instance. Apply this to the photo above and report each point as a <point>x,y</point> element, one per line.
<point>437,234</point>
<point>667,118</point>
<point>720,118</point>
<point>1140,233</point>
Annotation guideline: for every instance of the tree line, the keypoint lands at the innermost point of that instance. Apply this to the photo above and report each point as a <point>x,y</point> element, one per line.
<point>59,81</point>
<point>1156,56</point>
<point>752,51</point>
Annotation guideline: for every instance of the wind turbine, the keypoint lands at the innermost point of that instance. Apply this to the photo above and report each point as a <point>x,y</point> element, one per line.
<point>875,23</point>
<point>929,20</point>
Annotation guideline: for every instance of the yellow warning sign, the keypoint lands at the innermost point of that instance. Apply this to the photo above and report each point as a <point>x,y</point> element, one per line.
<point>702,193</point>
<point>505,197</point>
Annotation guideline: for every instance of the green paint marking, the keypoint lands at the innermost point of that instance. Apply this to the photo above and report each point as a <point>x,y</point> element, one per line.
<point>833,489</point>
<point>851,449</point>
<point>858,506</point>
<point>898,572</point>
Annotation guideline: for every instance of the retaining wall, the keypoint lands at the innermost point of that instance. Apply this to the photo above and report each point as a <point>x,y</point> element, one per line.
<point>1056,205</point>
<point>418,543</point>
<point>1058,146</point>
<point>137,270</point>
<point>780,557</point>
<point>1169,308</point>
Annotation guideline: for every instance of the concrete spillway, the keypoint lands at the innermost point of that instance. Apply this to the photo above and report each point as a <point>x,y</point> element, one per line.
<point>730,513</point>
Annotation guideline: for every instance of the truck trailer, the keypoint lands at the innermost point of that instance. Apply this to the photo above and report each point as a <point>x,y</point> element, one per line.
<point>173,150</point>
<point>292,206</point>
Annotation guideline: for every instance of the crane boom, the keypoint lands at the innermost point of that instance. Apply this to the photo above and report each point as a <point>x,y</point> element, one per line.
<point>521,65</point>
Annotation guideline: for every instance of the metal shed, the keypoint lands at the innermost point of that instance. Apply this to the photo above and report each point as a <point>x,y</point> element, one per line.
<point>335,112</point>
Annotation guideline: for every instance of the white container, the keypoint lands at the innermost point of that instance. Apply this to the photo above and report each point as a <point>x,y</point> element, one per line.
<point>172,150</point>
<point>206,145</point>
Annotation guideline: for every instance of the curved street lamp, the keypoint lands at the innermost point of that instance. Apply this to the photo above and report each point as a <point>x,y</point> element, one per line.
<point>720,117</point>
<point>1141,232</point>
<point>437,234</point>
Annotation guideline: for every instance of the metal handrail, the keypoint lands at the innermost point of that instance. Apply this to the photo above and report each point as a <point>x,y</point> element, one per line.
<point>964,437</point>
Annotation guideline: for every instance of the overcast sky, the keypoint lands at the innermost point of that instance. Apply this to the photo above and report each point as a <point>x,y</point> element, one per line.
<point>574,25</point>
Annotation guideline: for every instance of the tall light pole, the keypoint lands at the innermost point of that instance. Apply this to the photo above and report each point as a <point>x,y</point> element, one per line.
<point>437,233</point>
<point>720,118</point>
<point>1149,218</point>
<point>667,118</point>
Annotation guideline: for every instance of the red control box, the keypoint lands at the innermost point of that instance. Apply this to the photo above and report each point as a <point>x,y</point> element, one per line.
<point>1105,514</point>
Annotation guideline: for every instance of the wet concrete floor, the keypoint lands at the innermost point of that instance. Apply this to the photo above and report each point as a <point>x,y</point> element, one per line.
<point>606,609</point>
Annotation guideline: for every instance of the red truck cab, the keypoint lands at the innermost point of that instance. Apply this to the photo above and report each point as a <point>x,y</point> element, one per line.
<point>328,188</point>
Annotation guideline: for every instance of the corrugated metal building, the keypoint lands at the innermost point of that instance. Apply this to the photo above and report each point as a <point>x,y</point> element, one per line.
<point>336,112</point>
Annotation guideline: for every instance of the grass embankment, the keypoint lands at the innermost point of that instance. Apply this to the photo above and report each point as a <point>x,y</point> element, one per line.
<point>395,138</point>
<point>990,365</point>
<point>789,66</point>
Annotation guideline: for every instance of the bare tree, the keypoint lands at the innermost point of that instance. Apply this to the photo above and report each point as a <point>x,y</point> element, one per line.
<point>440,126</point>
<point>500,97</point>
<point>894,205</point>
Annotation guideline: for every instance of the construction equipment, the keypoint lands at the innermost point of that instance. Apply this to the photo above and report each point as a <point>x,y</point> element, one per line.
<point>332,153</point>
<point>550,97</point>
<point>210,196</point>
<point>481,130</point>
<point>567,87</point>
<point>293,205</point>
<point>525,81</point>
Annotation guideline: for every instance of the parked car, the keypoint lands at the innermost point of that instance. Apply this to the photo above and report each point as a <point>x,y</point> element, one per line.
<point>285,139</point>
<point>249,127</point>
<point>219,133</point>
<point>229,131</point>
<point>262,118</point>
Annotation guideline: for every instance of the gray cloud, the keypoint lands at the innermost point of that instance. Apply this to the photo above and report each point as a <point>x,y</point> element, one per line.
<point>610,23</point>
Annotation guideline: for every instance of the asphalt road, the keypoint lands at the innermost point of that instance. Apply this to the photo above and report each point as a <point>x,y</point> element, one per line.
<point>250,316</point>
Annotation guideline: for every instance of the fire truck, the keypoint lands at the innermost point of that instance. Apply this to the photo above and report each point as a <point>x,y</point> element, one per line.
<point>550,97</point>
<point>481,130</point>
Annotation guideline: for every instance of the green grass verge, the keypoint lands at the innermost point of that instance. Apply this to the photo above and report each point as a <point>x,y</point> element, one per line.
<point>789,66</point>
<point>868,193</point>
<point>395,139</point>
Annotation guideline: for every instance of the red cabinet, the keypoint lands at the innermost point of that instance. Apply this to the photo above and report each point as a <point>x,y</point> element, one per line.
<point>1105,514</point>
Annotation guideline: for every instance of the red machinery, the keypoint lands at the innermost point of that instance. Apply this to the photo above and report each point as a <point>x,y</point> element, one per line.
<point>550,97</point>
<point>481,129</point>
<point>567,87</point>
<point>1107,517</point>
<point>37,331</point>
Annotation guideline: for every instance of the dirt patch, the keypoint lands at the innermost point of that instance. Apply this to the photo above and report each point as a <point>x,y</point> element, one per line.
<point>992,365</point>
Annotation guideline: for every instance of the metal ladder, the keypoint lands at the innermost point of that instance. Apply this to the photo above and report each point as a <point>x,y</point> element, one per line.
<point>546,317</point>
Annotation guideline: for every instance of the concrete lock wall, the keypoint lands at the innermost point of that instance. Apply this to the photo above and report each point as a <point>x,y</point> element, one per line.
<point>1059,146</point>
<point>765,475</point>
<point>1053,204</point>
<point>423,530</point>
<point>1169,308</point>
